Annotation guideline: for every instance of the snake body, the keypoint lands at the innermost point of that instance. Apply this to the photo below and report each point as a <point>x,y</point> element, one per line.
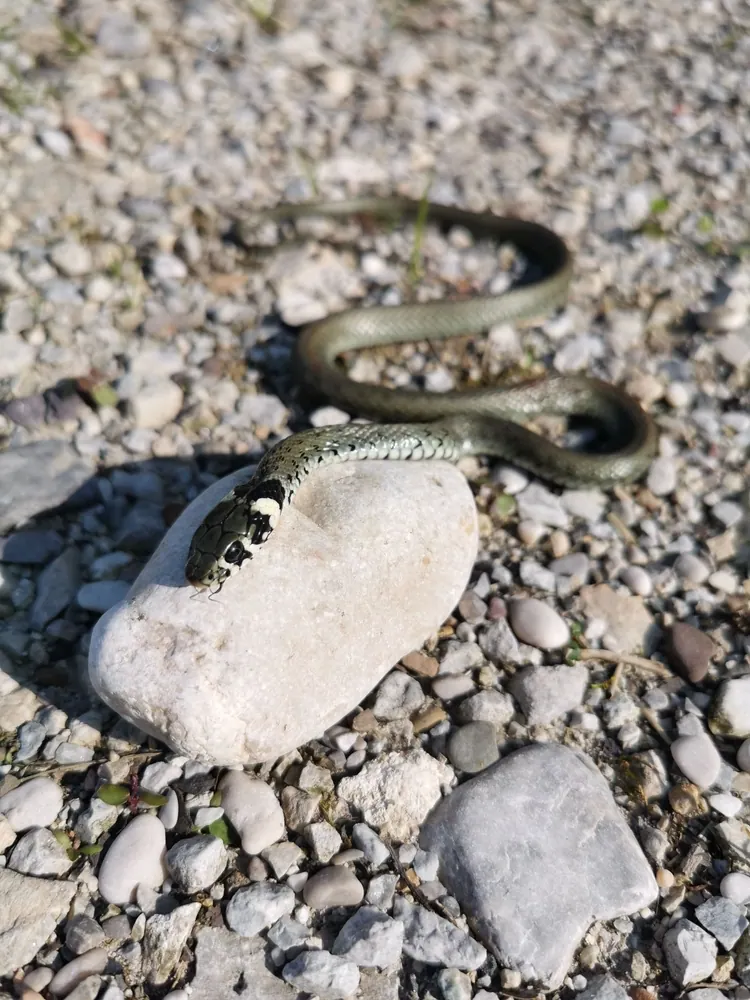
<point>445,425</point>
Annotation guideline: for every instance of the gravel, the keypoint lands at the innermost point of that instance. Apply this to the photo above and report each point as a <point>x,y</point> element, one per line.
<point>144,354</point>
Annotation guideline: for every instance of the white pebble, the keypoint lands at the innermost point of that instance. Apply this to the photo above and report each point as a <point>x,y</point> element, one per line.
<point>736,886</point>
<point>726,804</point>
<point>697,758</point>
<point>537,624</point>
<point>88,964</point>
<point>34,803</point>
<point>253,810</point>
<point>743,756</point>
<point>136,857</point>
<point>638,580</point>
<point>692,569</point>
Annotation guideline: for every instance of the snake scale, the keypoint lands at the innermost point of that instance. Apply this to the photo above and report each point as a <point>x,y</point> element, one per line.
<point>447,425</point>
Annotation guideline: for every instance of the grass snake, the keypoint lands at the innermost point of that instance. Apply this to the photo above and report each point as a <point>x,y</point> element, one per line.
<point>445,425</point>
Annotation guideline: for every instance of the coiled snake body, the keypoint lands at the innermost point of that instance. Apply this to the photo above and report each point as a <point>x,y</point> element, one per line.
<point>445,425</point>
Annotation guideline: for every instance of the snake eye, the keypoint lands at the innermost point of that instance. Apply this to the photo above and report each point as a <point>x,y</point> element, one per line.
<point>234,553</point>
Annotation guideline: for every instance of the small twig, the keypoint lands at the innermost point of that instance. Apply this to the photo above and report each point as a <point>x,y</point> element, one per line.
<point>650,716</point>
<point>33,770</point>
<point>415,264</point>
<point>627,659</point>
<point>622,529</point>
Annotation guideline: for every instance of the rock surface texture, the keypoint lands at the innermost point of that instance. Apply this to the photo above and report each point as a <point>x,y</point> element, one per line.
<point>549,820</point>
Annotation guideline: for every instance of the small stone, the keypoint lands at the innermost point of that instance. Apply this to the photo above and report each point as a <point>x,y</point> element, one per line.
<point>549,693</point>
<point>637,579</point>
<point>102,595</point>
<point>662,477</point>
<point>39,853</point>
<point>164,940</point>
<point>135,857</point>
<point>56,142</point>
<point>289,933</point>
<point>604,988</point>
<point>30,912</point>
<point>690,953</point>
<point>727,805</point>
<point>121,37</point>
<point>692,569</point>
<point>324,840</point>
<point>253,810</point>
<point>89,964</point>
<point>537,624</point>
<point>697,758</point>
<point>491,706</point>
<point>724,919</point>
<point>71,259</point>
<point>82,933</point>
<point>398,697</point>
<point>736,886</point>
<point>36,477</point>
<point>370,939</point>
<point>396,791</point>
<point>380,891</point>
<point>434,940</point>
<point>686,800</point>
<point>254,908</point>
<point>31,548</point>
<point>156,404</point>
<point>729,714</point>
<point>31,804</point>
<point>690,652</point>
<point>282,857</point>
<point>370,844</point>
<point>537,503</point>
<point>197,862</point>
<point>743,756</point>
<point>322,974</point>
<point>629,625</point>
<point>473,747</point>
<point>333,886</point>
<point>419,664</point>
<point>56,588</point>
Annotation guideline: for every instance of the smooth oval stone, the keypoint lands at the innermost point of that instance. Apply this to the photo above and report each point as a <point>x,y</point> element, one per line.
<point>473,747</point>
<point>366,563</point>
<point>743,756</point>
<point>697,758</point>
<point>736,886</point>
<point>135,857</point>
<point>535,623</point>
<point>690,651</point>
<point>33,803</point>
<point>252,808</point>
<point>334,886</point>
<point>88,964</point>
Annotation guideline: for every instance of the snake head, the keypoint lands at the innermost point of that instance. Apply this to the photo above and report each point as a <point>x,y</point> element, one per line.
<point>209,569</point>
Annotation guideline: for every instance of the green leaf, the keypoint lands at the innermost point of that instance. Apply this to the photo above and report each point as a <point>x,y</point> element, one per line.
<point>659,205</point>
<point>90,849</point>
<point>652,230</point>
<point>576,629</point>
<point>104,395</point>
<point>219,829</point>
<point>573,655</point>
<point>113,795</point>
<point>63,839</point>
<point>152,799</point>
<point>504,505</point>
<point>215,798</point>
<point>705,224</point>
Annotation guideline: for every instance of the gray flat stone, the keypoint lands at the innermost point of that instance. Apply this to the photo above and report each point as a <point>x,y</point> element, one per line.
<point>38,477</point>
<point>227,965</point>
<point>724,919</point>
<point>690,953</point>
<point>30,912</point>
<point>535,850</point>
<point>434,940</point>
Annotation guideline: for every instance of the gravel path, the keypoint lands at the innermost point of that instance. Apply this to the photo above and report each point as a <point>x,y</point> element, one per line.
<point>144,354</point>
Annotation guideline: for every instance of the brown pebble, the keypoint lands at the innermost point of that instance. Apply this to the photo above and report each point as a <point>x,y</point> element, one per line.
<point>365,722</point>
<point>690,651</point>
<point>419,664</point>
<point>497,609</point>
<point>687,800</point>
<point>428,718</point>
<point>641,993</point>
<point>664,878</point>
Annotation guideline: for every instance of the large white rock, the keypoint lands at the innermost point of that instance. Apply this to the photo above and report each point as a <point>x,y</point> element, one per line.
<point>366,563</point>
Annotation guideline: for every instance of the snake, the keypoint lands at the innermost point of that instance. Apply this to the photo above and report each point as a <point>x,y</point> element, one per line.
<point>416,425</point>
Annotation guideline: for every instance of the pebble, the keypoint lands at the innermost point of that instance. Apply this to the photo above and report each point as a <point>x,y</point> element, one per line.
<point>82,933</point>
<point>322,974</point>
<point>506,812</point>
<point>253,810</point>
<point>370,844</point>
<point>690,953</point>
<point>724,919</point>
<point>288,933</point>
<point>537,503</point>
<point>743,756</point>
<point>605,988</point>
<point>690,651</point>
<point>395,792</point>
<point>433,940</point>
<point>491,706</point>
<point>333,886</point>
<point>736,887</point>
<point>729,714</point>
<point>56,588</point>
<point>398,697</point>
<point>473,747</point>
<point>71,259</point>
<point>164,940</point>
<point>36,477</point>
<point>254,908</point>
<point>324,839</point>
<point>370,939</point>
<point>121,37</point>
<point>136,857</point>
<point>89,964</point>
<point>197,862</point>
<point>39,853</point>
<point>727,805</point>
<point>537,624</point>
<point>697,758</point>
<point>102,595</point>
<point>31,736</point>
<point>692,569</point>
<point>549,693</point>
<point>282,857</point>
<point>213,711</point>
<point>156,404</point>
<point>31,548</point>
<point>31,804</point>
<point>638,580</point>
